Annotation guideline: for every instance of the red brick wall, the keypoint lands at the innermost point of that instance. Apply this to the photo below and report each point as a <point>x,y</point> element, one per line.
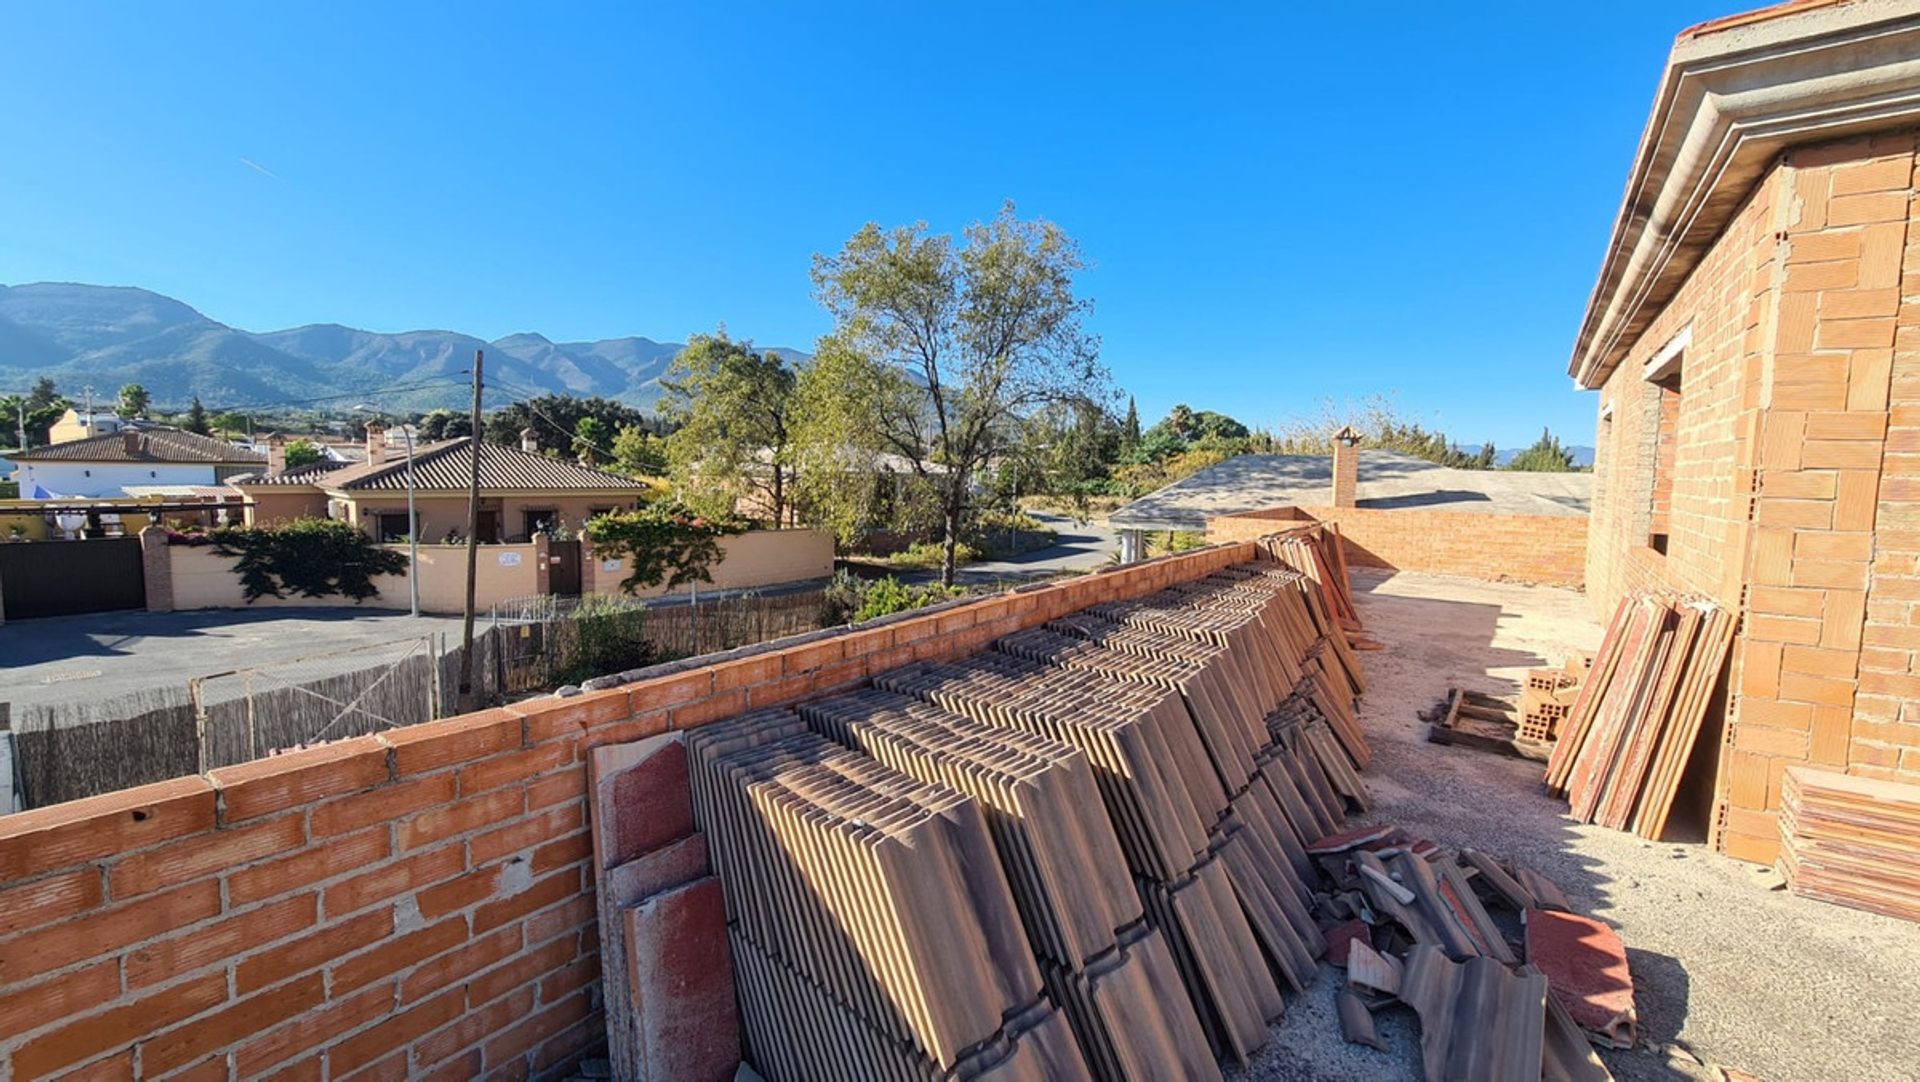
<point>1547,549</point>
<point>1798,426</point>
<point>414,904</point>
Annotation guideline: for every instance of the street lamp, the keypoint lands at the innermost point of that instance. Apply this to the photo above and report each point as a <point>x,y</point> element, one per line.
<point>413,519</point>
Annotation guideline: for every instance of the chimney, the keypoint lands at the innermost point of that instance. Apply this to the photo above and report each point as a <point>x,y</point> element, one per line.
<point>376,444</point>
<point>276,454</point>
<point>130,439</point>
<point>1346,467</point>
<point>530,441</point>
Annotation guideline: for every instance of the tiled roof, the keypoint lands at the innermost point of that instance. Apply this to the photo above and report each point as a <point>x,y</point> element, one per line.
<point>447,464</point>
<point>308,474</point>
<point>144,445</point>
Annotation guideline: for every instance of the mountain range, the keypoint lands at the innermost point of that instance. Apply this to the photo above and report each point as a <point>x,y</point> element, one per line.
<point>107,336</point>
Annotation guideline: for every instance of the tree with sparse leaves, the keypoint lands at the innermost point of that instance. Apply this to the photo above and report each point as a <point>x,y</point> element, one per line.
<point>959,342</point>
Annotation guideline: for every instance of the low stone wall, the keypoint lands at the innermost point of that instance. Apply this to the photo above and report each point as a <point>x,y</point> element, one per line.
<point>411,904</point>
<point>1541,549</point>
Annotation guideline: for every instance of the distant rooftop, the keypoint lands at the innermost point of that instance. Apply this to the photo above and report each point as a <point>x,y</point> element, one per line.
<point>144,445</point>
<point>1388,480</point>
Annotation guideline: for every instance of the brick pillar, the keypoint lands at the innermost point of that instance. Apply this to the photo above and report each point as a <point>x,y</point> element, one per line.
<point>157,563</point>
<point>542,563</point>
<point>1346,467</point>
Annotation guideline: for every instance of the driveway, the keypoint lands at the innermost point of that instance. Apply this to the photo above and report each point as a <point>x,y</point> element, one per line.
<point>1077,547</point>
<point>103,655</point>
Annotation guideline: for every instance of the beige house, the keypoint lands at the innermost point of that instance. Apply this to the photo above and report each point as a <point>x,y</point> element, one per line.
<point>522,491</point>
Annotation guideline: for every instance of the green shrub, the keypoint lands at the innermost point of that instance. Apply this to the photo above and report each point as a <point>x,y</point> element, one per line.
<point>850,599</point>
<point>927,555</point>
<point>603,635</point>
<point>311,557</point>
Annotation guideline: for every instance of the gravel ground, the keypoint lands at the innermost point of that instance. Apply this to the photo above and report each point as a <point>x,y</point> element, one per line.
<point>1729,969</point>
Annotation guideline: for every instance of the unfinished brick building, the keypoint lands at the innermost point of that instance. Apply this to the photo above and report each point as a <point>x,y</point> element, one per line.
<point>1755,339</point>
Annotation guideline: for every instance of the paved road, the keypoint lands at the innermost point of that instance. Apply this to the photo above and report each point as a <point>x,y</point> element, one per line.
<point>1077,547</point>
<point>102,655</point>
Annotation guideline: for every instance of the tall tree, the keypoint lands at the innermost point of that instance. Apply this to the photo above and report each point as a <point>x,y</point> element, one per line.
<point>735,437</point>
<point>640,453</point>
<point>133,401</point>
<point>302,452</point>
<point>1130,430</point>
<point>197,418</point>
<point>965,341</point>
<point>1545,456</point>
<point>589,437</point>
<point>555,418</point>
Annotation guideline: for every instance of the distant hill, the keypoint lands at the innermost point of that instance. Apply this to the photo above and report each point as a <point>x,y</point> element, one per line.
<point>107,336</point>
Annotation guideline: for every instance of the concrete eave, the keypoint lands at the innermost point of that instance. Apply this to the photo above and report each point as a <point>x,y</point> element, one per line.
<point>1737,93</point>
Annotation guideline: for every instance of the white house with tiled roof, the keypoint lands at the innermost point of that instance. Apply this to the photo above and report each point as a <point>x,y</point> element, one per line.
<point>108,465</point>
<point>522,491</point>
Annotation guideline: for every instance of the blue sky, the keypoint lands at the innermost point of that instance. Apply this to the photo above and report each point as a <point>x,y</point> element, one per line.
<point>1285,203</point>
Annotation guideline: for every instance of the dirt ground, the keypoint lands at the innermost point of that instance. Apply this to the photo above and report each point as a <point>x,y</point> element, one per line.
<point>1729,969</point>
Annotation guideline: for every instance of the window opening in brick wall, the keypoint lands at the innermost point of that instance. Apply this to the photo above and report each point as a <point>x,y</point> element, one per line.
<point>1665,389</point>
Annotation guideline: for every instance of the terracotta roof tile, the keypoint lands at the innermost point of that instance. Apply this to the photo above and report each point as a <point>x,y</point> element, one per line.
<point>143,445</point>
<point>446,465</point>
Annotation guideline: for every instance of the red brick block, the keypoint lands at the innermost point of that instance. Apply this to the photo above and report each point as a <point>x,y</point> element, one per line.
<point>166,959</point>
<point>25,957</point>
<point>516,766</point>
<point>472,1028</point>
<point>637,727</point>
<point>813,655</point>
<point>207,854</point>
<point>569,784</point>
<point>542,893</point>
<point>461,817</point>
<point>384,882</point>
<point>562,852</point>
<point>383,805</point>
<point>553,823</point>
<point>311,865</point>
<point>311,1069</point>
<point>464,739</point>
<point>312,951</point>
<point>181,1046</point>
<point>668,691</point>
<point>693,715</point>
<point>396,1032</point>
<point>459,1069</point>
<point>477,955</point>
<point>393,955</point>
<point>746,672</point>
<point>47,900</point>
<point>43,839</point>
<point>457,894</point>
<point>549,718</point>
<point>569,917</point>
<point>780,692</point>
<point>310,1030</point>
<point>523,971</point>
<point>111,1029</point>
<point>23,1009</point>
<point>117,1068</point>
<point>521,1039</point>
<point>279,782</point>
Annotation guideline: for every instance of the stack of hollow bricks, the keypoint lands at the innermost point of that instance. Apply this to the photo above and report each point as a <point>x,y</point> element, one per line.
<point>1794,496</point>
<point>413,904</point>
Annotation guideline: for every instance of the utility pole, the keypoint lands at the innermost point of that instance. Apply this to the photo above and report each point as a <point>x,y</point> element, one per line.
<point>23,422</point>
<point>467,696</point>
<point>89,392</point>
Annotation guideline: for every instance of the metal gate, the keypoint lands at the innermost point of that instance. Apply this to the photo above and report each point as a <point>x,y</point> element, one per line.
<point>563,568</point>
<point>65,578</point>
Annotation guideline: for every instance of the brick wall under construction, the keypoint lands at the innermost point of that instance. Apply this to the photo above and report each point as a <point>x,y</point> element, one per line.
<point>1790,491</point>
<point>1536,549</point>
<point>416,903</point>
